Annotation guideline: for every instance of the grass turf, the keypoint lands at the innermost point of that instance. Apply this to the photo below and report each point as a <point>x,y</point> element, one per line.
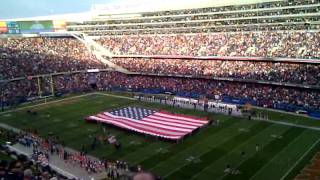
<point>3,140</point>
<point>201,156</point>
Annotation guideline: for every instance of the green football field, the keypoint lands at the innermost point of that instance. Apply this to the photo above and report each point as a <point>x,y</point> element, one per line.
<point>283,151</point>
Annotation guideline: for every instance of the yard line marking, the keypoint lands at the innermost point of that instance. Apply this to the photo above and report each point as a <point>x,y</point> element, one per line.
<point>141,160</point>
<point>269,121</point>
<point>118,96</point>
<point>124,97</point>
<point>50,102</point>
<point>243,145</point>
<point>300,159</point>
<point>197,156</point>
<point>276,155</point>
<point>289,124</point>
<point>200,142</point>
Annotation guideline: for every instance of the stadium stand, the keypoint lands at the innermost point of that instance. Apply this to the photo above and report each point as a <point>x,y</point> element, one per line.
<point>37,166</point>
<point>296,73</point>
<point>264,54</point>
<point>284,98</point>
<point>266,31</point>
<point>251,44</point>
<point>265,16</point>
<point>22,57</point>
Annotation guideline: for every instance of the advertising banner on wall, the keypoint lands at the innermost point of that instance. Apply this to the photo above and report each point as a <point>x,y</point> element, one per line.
<point>59,25</point>
<point>13,27</point>
<point>35,26</point>
<point>3,27</point>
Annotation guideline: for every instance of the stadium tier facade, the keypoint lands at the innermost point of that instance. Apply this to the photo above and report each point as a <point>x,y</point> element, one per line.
<point>266,53</point>
<point>184,91</point>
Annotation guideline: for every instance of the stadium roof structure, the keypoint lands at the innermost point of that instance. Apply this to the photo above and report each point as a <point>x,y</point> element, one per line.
<point>140,6</point>
<point>67,17</point>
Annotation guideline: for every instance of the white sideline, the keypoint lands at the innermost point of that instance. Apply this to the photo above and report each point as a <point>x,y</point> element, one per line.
<point>300,159</point>
<point>46,103</point>
<point>237,148</point>
<point>65,173</point>
<point>124,97</point>
<point>112,95</point>
<point>17,150</point>
<point>269,121</point>
<point>65,99</point>
<point>289,124</point>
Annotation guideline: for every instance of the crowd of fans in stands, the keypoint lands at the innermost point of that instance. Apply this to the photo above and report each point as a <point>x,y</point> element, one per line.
<point>254,44</point>
<point>265,16</point>
<point>24,57</point>
<point>43,151</point>
<point>308,74</point>
<point>33,56</point>
<point>21,167</point>
<point>274,4</point>
<point>263,95</point>
<point>21,57</point>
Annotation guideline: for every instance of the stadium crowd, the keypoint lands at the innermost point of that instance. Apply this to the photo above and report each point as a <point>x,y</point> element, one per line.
<point>273,4</point>
<point>44,149</point>
<point>21,57</point>
<point>213,12</point>
<point>254,44</point>
<point>33,56</point>
<point>257,94</point>
<point>19,166</point>
<point>263,95</point>
<point>308,74</point>
<point>26,170</point>
<point>265,16</point>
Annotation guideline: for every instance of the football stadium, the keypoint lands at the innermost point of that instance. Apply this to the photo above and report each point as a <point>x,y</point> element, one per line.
<point>153,90</point>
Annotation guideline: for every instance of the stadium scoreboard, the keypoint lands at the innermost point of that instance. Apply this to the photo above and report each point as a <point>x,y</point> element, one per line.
<point>3,27</point>
<point>31,27</point>
<point>13,27</point>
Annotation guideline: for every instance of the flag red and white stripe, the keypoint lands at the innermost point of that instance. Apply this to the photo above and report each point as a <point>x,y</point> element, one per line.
<point>161,124</point>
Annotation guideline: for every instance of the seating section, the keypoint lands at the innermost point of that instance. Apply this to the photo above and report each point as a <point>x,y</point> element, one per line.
<point>296,73</point>
<point>21,57</point>
<point>294,44</point>
<point>262,16</point>
<point>264,95</point>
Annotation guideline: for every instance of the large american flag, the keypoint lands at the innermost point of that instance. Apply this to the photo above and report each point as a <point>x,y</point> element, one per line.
<point>147,121</point>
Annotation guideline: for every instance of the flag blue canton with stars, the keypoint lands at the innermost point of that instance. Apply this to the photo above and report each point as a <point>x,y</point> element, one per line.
<point>136,113</point>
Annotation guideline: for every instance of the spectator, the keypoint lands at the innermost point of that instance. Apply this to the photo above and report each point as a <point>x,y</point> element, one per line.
<point>291,44</point>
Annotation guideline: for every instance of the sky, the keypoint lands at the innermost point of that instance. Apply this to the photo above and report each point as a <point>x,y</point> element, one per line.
<point>10,9</point>
<point>32,8</point>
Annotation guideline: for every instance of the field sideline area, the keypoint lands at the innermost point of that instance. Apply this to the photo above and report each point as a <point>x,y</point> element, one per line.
<point>283,150</point>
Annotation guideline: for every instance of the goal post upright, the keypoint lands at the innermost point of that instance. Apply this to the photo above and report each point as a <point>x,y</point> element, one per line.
<point>52,85</point>
<point>39,86</point>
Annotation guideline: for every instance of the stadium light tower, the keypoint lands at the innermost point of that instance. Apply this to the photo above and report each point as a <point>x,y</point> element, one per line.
<point>92,5</point>
<point>2,84</point>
